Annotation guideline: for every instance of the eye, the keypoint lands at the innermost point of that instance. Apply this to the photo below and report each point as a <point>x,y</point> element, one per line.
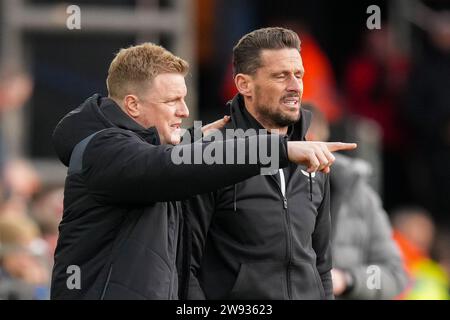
<point>172,102</point>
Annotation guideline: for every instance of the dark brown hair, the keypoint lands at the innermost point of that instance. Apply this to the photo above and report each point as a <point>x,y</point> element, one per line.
<point>247,52</point>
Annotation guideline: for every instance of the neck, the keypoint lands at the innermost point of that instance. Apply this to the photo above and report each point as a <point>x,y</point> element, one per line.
<point>124,110</point>
<point>267,123</point>
<point>117,101</point>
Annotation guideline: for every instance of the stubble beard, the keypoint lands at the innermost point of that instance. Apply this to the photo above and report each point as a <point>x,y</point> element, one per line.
<point>272,114</point>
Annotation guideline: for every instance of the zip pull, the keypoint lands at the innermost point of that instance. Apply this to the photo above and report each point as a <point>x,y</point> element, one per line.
<point>283,188</point>
<point>282,182</point>
<point>234,199</point>
<point>310,187</point>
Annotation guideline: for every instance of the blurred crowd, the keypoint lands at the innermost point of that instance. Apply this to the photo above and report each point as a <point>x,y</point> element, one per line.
<point>403,94</point>
<point>29,211</point>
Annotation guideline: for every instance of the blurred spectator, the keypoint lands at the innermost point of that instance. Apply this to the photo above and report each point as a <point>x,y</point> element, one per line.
<point>361,230</point>
<point>22,272</point>
<point>441,250</point>
<point>319,80</point>
<point>414,232</point>
<point>428,111</point>
<point>47,211</point>
<point>375,83</point>
<point>221,24</point>
<point>21,179</point>
<point>20,182</point>
<point>16,87</point>
<point>24,266</point>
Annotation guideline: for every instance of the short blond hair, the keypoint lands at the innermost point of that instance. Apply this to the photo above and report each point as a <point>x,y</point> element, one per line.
<point>136,66</point>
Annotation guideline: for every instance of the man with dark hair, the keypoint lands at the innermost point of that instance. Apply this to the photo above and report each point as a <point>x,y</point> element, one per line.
<point>119,235</point>
<point>267,237</point>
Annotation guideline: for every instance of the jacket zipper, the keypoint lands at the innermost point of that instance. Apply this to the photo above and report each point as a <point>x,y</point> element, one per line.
<point>289,235</point>
<point>106,283</point>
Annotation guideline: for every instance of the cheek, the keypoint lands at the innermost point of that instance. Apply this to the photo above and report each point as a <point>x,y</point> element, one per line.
<point>148,117</point>
<point>164,116</point>
<point>269,93</point>
<point>276,94</point>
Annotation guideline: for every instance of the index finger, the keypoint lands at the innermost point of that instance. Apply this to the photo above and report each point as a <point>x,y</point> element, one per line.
<point>218,124</point>
<point>336,146</point>
<point>221,122</point>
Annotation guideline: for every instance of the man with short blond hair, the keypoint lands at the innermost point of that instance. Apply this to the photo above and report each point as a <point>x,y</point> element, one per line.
<point>119,235</point>
<point>133,67</point>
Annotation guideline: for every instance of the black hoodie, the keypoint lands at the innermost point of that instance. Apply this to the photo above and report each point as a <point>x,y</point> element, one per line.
<point>121,221</point>
<point>251,241</point>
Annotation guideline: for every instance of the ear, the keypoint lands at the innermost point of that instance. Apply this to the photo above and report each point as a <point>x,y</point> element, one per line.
<point>131,106</point>
<point>244,84</point>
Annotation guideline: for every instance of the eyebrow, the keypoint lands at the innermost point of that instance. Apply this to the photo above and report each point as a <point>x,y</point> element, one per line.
<point>175,97</point>
<point>302,72</point>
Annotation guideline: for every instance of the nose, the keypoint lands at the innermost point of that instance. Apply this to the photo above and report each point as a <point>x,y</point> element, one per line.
<point>182,110</point>
<point>295,84</point>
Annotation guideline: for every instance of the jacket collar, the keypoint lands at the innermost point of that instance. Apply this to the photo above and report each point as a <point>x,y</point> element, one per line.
<point>242,119</point>
<point>120,119</point>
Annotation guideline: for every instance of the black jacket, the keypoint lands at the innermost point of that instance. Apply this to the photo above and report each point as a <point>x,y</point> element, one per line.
<point>249,241</point>
<point>121,219</point>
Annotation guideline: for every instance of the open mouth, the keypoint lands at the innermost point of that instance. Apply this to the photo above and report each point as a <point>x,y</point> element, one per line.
<point>176,126</point>
<point>291,102</point>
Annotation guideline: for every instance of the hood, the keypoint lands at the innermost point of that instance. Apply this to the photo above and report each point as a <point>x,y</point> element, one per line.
<point>94,114</point>
<point>344,176</point>
<point>345,171</point>
<point>242,119</point>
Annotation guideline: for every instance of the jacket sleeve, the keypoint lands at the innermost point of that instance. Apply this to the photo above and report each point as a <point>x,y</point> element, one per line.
<point>200,210</point>
<point>120,168</point>
<point>383,276</point>
<point>321,239</point>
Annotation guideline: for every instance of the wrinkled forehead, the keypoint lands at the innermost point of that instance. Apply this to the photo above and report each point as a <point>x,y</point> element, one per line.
<point>281,60</point>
